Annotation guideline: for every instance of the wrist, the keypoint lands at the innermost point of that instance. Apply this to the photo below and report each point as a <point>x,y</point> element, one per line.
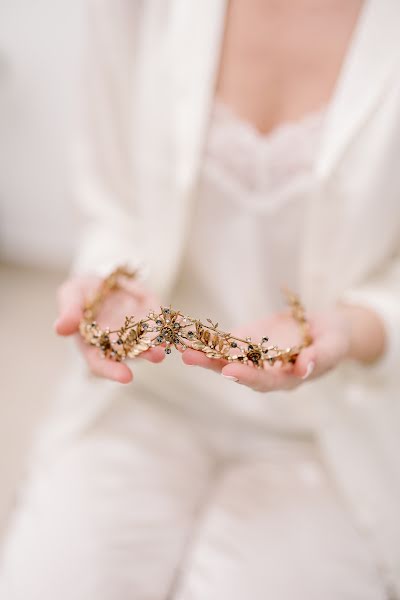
<point>365,333</point>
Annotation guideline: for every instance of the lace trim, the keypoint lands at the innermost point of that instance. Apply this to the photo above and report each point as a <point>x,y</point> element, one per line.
<point>263,161</point>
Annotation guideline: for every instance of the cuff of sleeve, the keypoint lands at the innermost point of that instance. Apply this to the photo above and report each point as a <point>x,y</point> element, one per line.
<point>388,309</point>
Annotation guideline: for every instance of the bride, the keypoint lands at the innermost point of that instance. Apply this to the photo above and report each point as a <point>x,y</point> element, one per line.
<point>226,148</point>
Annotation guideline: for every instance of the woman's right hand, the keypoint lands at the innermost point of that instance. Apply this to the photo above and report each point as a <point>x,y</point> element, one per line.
<point>133,299</point>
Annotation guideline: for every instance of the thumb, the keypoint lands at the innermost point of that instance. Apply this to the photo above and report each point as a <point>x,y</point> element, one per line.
<point>306,361</point>
<point>70,300</point>
<point>323,355</point>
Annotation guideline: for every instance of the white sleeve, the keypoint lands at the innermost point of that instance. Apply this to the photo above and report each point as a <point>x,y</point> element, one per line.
<point>381,293</point>
<point>102,177</point>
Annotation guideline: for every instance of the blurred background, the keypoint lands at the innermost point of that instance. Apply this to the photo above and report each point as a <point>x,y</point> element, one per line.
<point>40,44</point>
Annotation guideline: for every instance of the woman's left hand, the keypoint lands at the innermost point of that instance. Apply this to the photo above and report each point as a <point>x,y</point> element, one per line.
<point>331,333</point>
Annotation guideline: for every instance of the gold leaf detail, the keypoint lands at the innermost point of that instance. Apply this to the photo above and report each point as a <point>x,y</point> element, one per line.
<point>197,345</point>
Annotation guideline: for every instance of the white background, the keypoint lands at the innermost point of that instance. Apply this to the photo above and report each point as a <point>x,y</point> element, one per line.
<point>40,44</point>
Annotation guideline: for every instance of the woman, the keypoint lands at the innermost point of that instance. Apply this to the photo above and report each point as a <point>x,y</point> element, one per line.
<point>227,148</point>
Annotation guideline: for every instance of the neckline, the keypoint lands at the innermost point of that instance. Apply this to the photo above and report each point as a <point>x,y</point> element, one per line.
<point>311,119</point>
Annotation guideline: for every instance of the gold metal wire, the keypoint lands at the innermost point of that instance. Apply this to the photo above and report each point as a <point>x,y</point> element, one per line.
<point>170,327</point>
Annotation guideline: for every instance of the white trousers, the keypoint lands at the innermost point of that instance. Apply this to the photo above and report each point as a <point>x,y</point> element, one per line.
<point>149,504</point>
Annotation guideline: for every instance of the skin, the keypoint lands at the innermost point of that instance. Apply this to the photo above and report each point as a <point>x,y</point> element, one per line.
<point>135,299</point>
<point>342,334</point>
<point>280,60</point>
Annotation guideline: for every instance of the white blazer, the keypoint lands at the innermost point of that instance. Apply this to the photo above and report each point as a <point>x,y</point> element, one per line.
<point>148,87</point>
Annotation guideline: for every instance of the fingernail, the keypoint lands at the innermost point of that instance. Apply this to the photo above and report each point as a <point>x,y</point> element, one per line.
<point>309,370</point>
<point>230,377</point>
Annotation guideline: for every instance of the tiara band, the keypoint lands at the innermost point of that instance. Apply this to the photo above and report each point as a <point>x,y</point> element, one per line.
<point>172,328</point>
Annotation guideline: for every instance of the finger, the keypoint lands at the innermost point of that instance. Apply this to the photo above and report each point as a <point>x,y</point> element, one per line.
<point>262,380</point>
<point>154,355</point>
<point>305,365</point>
<point>142,294</point>
<point>135,288</point>
<point>103,367</point>
<point>70,301</point>
<point>323,355</point>
<point>199,359</point>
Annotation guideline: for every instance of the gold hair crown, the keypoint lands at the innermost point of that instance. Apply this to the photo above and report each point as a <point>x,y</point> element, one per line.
<point>172,328</point>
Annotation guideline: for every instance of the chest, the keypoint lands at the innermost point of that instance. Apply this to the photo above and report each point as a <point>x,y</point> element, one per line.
<point>280,60</point>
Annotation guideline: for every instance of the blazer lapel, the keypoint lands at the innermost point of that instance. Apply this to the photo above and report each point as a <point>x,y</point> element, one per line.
<point>191,59</point>
<point>373,54</point>
<point>196,36</point>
